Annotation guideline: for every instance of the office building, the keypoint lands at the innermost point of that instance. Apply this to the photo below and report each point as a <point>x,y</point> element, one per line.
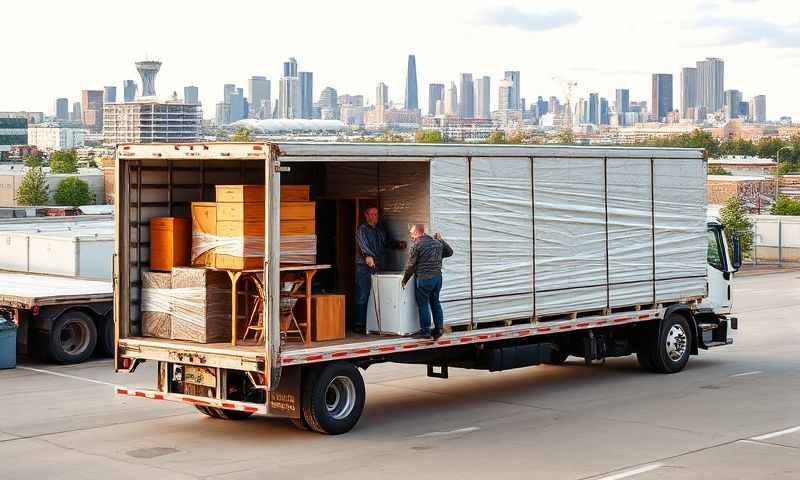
<point>483,94</point>
<point>289,99</point>
<point>513,77</point>
<point>129,89</point>
<point>76,112</point>
<point>62,109</point>
<point>661,96</point>
<point>689,90</point>
<point>732,100</point>
<point>236,100</point>
<point>109,94</point>
<point>758,108</point>
<point>435,94</point>
<point>191,94</point>
<point>542,106</point>
<point>149,121</point>
<point>328,104</point>
<point>92,109</point>
<point>505,100</point>
<point>306,94</point>
<point>411,97</point>
<point>259,91</point>
<point>290,68</point>
<point>382,95</point>
<point>553,105</point>
<point>451,100</point>
<point>13,131</point>
<point>148,70</point>
<point>593,109</point>
<point>350,100</point>
<point>711,84</point>
<point>604,115</point>
<point>52,137</point>
<point>622,102</point>
<point>466,99</point>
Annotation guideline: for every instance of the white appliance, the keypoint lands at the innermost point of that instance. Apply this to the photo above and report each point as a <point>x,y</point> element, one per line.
<point>391,309</point>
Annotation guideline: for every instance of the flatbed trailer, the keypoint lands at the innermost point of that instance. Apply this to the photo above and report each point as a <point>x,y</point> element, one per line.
<point>318,385</point>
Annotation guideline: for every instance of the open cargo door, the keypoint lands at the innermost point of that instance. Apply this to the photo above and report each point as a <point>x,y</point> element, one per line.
<point>272,193</point>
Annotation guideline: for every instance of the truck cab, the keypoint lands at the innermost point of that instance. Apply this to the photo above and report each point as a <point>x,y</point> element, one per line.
<point>723,261</point>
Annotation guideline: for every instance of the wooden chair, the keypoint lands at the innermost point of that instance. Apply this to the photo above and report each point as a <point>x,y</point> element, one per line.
<point>255,323</point>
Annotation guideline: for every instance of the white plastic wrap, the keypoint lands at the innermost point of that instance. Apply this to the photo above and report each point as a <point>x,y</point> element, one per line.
<point>177,302</point>
<point>294,248</point>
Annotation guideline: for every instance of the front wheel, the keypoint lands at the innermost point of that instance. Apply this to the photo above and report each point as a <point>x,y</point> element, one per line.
<point>669,345</point>
<point>333,398</point>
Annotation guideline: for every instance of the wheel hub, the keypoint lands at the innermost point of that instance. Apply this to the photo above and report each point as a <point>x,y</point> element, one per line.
<point>74,337</point>
<point>676,343</point>
<point>340,397</point>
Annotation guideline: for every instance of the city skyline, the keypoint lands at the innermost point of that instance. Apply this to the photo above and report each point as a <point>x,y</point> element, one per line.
<point>757,61</point>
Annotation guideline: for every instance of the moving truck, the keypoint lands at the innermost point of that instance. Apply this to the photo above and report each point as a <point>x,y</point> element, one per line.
<point>592,252</point>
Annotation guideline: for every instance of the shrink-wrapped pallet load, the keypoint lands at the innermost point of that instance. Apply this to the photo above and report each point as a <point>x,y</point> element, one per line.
<point>201,305</point>
<point>156,304</point>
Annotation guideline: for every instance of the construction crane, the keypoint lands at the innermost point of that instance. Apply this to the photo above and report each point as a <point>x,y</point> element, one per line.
<point>568,86</point>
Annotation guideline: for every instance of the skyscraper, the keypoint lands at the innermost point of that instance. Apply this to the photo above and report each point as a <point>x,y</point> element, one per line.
<point>129,90</point>
<point>451,100</point>
<point>260,99</point>
<point>505,99</point>
<point>191,95</point>
<point>306,94</point>
<point>148,71</point>
<point>236,100</point>
<point>711,84</point>
<point>661,96</point>
<point>466,99</point>
<point>732,100</point>
<point>290,67</point>
<point>622,103</point>
<point>483,97</point>
<point>688,90</point>
<point>604,120</point>
<point>382,95</point>
<point>62,109</point>
<point>328,104</point>
<point>76,112</point>
<point>593,109</point>
<point>411,99</point>
<point>92,109</point>
<point>758,108</point>
<point>513,77</point>
<point>289,100</point>
<point>435,93</point>
<point>541,106</point>
<point>109,94</point>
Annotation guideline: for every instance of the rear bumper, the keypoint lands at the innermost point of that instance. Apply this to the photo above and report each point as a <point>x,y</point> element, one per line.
<point>192,400</point>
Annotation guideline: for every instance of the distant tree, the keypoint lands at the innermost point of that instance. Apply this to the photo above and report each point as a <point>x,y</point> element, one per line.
<point>734,218</point>
<point>786,168</point>
<point>429,136</point>
<point>785,206</point>
<point>515,138</point>
<point>33,189</point>
<point>64,161</point>
<point>717,170</point>
<point>33,160</point>
<point>566,137</point>
<point>496,137</point>
<point>242,134</point>
<point>72,191</point>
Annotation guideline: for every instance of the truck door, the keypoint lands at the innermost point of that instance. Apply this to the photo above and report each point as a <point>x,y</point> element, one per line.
<point>719,274</point>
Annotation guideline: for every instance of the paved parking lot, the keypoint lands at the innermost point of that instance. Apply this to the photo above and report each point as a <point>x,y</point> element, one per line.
<point>731,414</point>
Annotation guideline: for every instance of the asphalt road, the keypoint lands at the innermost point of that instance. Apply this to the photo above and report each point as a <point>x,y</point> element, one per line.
<point>733,413</point>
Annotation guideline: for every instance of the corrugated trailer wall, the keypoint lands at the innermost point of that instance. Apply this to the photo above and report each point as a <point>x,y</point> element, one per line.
<point>590,233</point>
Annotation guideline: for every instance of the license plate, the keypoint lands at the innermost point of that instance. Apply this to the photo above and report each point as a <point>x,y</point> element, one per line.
<point>200,376</point>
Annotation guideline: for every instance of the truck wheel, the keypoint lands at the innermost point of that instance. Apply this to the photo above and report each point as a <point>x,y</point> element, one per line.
<point>73,337</point>
<point>334,398</point>
<point>205,411</point>
<point>106,339</point>
<point>557,357</point>
<point>300,423</point>
<point>223,413</point>
<point>672,344</point>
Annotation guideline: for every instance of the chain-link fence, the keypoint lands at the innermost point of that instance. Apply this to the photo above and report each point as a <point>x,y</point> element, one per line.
<point>776,241</point>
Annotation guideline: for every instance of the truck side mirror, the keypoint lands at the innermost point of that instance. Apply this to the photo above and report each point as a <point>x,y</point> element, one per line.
<point>737,253</point>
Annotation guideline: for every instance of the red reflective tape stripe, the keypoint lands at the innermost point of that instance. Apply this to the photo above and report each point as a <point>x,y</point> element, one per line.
<point>581,325</point>
<point>565,327</point>
<point>623,319</point>
<point>314,357</point>
<point>410,345</point>
<point>443,342</point>
<point>140,394</point>
<point>523,333</point>
<point>338,354</point>
<point>601,322</point>
<point>483,337</point>
<point>386,349</point>
<point>250,409</point>
<point>644,317</point>
<point>228,405</point>
<point>543,329</point>
<point>361,351</point>
<point>467,338</point>
<point>287,360</point>
<point>122,391</point>
<point>158,396</point>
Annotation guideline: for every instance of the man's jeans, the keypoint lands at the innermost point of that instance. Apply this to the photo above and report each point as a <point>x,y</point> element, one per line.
<point>363,286</point>
<point>427,295</point>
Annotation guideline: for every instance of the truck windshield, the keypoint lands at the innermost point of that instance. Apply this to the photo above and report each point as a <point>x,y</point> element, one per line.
<point>715,258</point>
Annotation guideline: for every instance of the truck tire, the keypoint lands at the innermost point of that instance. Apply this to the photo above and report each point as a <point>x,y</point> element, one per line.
<point>72,338</point>
<point>223,413</point>
<point>106,337</point>
<point>333,398</point>
<point>557,357</point>
<point>669,345</point>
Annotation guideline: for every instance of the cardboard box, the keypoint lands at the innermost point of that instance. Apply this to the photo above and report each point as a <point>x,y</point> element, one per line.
<point>327,317</point>
<point>204,221</point>
<point>170,243</point>
<point>205,315</point>
<point>295,193</point>
<point>240,193</point>
<point>298,211</point>
<point>298,227</point>
<point>240,212</point>
<point>155,323</point>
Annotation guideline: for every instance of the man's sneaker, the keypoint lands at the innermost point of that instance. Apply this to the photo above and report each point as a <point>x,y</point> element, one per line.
<point>422,335</point>
<point>437,333</point>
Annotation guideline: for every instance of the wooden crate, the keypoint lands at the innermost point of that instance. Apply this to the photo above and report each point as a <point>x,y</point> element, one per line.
<point>240,212</point>
<point>298,211</point>
<point>204,221</point>
<point>327,317</point>
<point>205,317</point>
<point>156,324</point>
<point>298,227</point>
<point>170,243</point>
<point>252,237</point>
<point>295,193</point>
<point>240,193</point>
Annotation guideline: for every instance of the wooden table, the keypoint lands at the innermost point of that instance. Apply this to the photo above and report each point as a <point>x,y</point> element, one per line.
<point>234,275</point>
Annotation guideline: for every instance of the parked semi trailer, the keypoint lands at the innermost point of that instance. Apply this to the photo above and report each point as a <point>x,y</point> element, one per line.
<point>592,252</point>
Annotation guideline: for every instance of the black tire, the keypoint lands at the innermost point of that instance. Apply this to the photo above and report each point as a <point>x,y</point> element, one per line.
<point>106,337</point>
<point>671,347</point>
<point>300,423</point>
<point>205,411</point>
<point>222,413</point>
<point>557,357</point>
<point>333,398</point>
<point>72,338</point>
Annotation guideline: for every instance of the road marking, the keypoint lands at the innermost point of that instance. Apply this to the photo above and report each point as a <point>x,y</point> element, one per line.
<point>64,375</point>
<point>451,432</point>
<point>630,473</point>
<point>744,374</point>
<point>767,436</point>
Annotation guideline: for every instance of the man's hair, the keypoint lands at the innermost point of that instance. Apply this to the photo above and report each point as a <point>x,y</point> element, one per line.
<point>370,208</point>
<point>419,227</point>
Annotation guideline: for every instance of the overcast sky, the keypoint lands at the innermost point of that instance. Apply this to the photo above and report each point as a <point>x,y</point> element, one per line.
<point>57,48</point>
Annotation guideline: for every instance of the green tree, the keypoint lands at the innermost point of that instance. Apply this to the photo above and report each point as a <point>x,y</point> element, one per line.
<point>717,170</point>
<point>786,168</point>
<point>515,139</point>
<point>72,191</point>
<point>734,218</point>
<point>33,189</point>
<point>242,134</point>
<point>64,161</point>
<point>429,136</point>
<point>566,137</point>
<point>496,137</point>
<point>33,160</point>
<point>785,206</point>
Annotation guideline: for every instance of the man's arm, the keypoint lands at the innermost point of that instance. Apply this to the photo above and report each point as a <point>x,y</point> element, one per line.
<point>411,265</point>
<point>447,251</point>
<point>362,242</point>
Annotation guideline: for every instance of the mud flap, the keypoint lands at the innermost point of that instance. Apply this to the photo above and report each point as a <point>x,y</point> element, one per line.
<point>284,401</point>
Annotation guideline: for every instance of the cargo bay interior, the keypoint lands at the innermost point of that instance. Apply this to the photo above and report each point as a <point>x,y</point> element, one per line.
<point>192,226</point>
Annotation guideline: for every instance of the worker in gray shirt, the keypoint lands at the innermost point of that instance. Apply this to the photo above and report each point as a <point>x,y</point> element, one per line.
<point>425,263</point>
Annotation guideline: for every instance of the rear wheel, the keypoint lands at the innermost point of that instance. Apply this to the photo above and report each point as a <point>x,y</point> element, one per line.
<point>557,357</point>
<point>223,413</point>
<point>333,398</point>
<point>106,337</point>
<point>73,337</point>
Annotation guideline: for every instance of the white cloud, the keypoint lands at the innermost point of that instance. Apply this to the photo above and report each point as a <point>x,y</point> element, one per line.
<point>509,16</point>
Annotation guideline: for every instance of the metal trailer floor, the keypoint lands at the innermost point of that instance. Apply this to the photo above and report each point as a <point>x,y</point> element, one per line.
<point>24,290</point>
